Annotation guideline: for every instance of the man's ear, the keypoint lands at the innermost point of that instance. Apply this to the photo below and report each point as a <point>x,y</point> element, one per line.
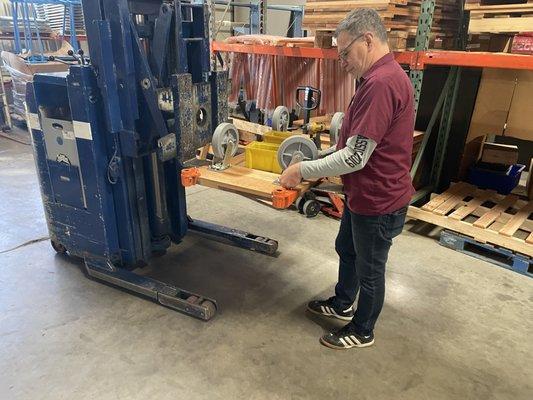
<point>368,38</point>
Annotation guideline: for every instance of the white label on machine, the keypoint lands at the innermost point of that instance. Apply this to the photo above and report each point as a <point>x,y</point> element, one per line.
<point>69,135</point>
<point>33,121</point>
<point>82,130</point>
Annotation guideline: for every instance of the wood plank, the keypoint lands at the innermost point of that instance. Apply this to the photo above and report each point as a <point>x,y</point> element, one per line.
<point>495,212</point>
<point>335,17</point>
<point>529,239</point>
<point>500,7</point>
<point>348,3</point>
<point>441,198</point>
<point>465,228</point>
<point>480,197</point>
<point>499,223</point>
<point>496,25</point>
<point>204,151</point>
<point>256,129</point>
<point>455,199</point>
<point>238,159</point>
<point>244,181</point>
<point>517,220</point>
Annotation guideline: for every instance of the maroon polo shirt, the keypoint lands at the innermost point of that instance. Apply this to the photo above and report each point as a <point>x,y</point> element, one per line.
<point>382,109</point>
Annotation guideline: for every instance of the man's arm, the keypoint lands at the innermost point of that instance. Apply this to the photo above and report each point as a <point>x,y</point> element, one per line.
<point>351,158</point>
<point>327,152</point>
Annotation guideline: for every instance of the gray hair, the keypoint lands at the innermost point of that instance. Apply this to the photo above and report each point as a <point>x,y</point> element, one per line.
<point>362,20</point>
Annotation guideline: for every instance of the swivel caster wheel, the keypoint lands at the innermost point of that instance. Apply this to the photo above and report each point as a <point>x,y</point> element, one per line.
<point>222,136</point>
<point>280,119</point>
<point>335,127</point>
<point>58,247</point>
<point>311,208</point>
<point>295,149</point>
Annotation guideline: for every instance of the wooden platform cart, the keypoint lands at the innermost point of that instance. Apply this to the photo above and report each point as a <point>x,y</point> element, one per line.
<point>234,176</point>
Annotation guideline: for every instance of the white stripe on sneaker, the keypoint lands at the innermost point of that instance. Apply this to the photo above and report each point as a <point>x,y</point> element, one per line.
<point>348,340</point>
<point>357,341</point>
<point>344,343</point>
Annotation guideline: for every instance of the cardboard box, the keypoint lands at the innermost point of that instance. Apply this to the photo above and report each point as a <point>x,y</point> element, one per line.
<point>499,153</point>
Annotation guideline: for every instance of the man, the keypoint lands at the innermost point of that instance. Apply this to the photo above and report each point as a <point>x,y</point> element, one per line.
<point>373,158</point>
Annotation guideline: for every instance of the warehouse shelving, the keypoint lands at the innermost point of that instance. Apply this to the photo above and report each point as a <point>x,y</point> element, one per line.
<point>417,60</point>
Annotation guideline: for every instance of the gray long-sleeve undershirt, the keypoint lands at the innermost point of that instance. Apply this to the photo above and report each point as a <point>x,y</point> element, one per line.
<point>351,158</point>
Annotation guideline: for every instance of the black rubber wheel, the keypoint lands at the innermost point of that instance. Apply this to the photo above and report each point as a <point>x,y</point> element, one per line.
<point>311,208</point>
<point>309,195</point>
<point>58,247</point>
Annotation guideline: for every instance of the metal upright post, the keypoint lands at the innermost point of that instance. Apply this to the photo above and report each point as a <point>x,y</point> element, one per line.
<point>211,27</point>
<point>16,31</point>
<point>421,44</point>
<point>449,106</point>
<point>73,37</point>
<point>262,16</point>
<point>295,23</point>
<point>446,101</point>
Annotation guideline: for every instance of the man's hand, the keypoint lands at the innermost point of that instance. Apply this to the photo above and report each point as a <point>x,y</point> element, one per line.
<point>291,177</point>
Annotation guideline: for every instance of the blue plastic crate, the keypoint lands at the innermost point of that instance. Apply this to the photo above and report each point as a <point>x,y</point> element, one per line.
<point>502,182</point>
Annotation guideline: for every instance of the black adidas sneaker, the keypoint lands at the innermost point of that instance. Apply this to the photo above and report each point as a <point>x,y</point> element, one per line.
<point>346,338</point>
<point>328,309</point>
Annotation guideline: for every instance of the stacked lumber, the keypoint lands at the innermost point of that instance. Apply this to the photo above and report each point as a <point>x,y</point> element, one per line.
<point>398,15</point>
<point>500,16</point>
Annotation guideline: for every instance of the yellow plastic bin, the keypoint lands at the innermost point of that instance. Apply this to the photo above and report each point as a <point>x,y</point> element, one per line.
<point>262,156</point>
<point>275,137</point>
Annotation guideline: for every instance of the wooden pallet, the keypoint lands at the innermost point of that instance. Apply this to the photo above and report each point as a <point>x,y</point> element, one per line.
<point>483,215</point>
<point>500,18</point>
<point>487,252</point>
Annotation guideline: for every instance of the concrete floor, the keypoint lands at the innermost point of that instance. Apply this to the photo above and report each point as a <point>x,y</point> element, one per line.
<point>452,327</point>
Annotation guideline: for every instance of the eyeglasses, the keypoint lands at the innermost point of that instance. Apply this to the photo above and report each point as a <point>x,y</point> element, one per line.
<point>344,53</point>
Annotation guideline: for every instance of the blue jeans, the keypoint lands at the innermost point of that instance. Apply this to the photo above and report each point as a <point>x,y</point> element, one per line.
<point>363,245</point>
